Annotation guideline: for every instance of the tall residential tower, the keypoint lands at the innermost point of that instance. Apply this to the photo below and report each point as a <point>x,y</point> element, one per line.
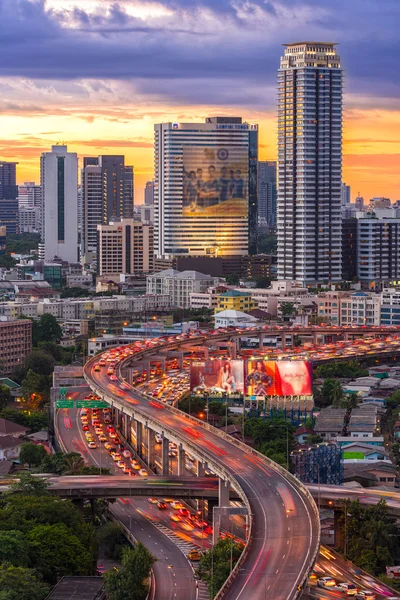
<point>309,163</point>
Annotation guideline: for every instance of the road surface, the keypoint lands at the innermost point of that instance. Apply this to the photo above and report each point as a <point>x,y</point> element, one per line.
<point>285,527</point>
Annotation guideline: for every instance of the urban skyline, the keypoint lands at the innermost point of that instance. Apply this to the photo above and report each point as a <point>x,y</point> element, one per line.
<point>109,105</point>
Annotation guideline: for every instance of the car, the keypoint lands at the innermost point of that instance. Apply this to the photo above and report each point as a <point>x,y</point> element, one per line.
<point>116,457</point>
<point>110,371</point>
<point>97,367</point>
<point>121,464</point>
<point>86,428</point>
<point>177,505</point>
<point>184,512</point>
<point>113,378</point>
<point>175,517</point>
<point>186,525</point>
<point>168,500</point>
<point>108,446</point>
<point>143,472</point>
<point>127,454</point>
<point>98,430</point>
<point>89,436</point>
<point>200,534</point>
<point>135,465</point>
<point>113,435</point>
<point>92,445</point>
<point>110,428</point>
<point>194,554</point>
<point>112,451</point>
<point>153,500</point>
<point>365,595</point>
<point>326,582</point>
<point>102,438</point>
<point>162,505</point>
<point>348,588</point>
<point>127,470</point>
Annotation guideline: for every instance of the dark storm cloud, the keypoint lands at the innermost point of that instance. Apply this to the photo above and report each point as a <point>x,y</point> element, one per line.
<point>184,57</point>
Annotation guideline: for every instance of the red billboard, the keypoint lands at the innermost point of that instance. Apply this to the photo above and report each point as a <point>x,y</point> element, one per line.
<point>279,378</point>
<point>219,376</point>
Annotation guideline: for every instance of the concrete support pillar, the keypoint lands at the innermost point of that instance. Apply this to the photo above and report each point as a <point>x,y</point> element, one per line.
<point>338,529</point>
<point>139,438</point>
<point>128,428</point>
<point>261,341</point>
<point>200,469</point>
<point>223,495</point>
<point>181,461</point>
<point>232,351</point>
<point>118,419</point>
<point>151,443</point>
<point>211,502</point>
<point>216,524</point>
<point>162,361</point>
<point>165,455</point>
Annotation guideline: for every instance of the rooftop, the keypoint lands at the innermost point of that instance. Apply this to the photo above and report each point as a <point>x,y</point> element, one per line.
<point>233,294</point>
<point>8,441</point>
<point>8,428</point>
<point>78,588</point>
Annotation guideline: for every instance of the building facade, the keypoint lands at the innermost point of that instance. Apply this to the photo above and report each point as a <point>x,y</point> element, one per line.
<point>59,183</point>
<point>125,247</point>
<point>29,195</point>
<point>29,219</point>
<point>205,188</point>
<point>179,285</point>
<point>349,248</point>
<point>345,195</point>
<point>378,250</point>
<point>360,309</point>
<point>107,195</point>
<point>149,193</point>
<point>309,163</point>
<point>235,300</point>
<point>15,343</point>
<point>9,197</point>
<point>266,192</point>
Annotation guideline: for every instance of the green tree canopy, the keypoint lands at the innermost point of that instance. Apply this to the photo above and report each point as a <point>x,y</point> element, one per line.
<point>46,329</point>
<point>349,368</point>
<point>110,538</point>
<point>232,279</point>
<point>55,551</point>
<point>287,309</point>
<point>40,362</point>
<point>193,404</point>
<point>32,419</point>
<point>5,396</point>
<point>17,583</point>
<point>130,582</point>
<point>32,454</point>
<point>13,548</point>
<point>28,486</point>
<point>215,564</point>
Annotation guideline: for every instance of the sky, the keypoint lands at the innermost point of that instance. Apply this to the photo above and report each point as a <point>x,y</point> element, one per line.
<point>97,75</point>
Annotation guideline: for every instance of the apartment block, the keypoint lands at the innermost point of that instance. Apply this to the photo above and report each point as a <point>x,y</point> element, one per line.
<point>126,246</point>
<point>15,343</point>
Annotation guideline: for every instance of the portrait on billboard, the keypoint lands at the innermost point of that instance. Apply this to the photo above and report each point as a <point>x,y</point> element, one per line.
<point>278,378</point>
<point>215,181</point>
<point>217,376</point>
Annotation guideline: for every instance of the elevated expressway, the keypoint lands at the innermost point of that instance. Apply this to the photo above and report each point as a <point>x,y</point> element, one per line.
<point>284,532</point>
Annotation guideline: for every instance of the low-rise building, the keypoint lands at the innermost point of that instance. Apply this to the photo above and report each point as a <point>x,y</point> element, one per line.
<point>235,300</point>
<point>126,246</point>
<point>179,285</point>
<point>329,423</point>
<point>11,429</point>
<point>233,318</point>
<point>9,447</point>
<point>360,309</point>
<point>15,343</point>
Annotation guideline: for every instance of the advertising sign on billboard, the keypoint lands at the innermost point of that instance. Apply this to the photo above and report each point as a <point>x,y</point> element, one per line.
<point>215,181</point>
<point>217,376</point>
<point>280,378</point>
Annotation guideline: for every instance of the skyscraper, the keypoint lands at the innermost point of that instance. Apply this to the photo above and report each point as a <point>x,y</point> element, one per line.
<point>205,188</point>
<point>149,193</point>
<point>59,182</point>
<point>267,192</point>
<point>345,195</point>
<point>8,197</point>
<point>309,163</point>
<point>107,195</point>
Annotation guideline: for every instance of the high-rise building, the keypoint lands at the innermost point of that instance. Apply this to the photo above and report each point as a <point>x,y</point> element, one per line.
<point>29,219</point>
<point>379,202</point>
<point>29,195</point>
<point>149,193</point>
<point>107,195</point>
<point>345,195</point>
<point>378,250</point>
<point>205,188</point>
<point>59,182</point>
<point>267,192</point>
<point>309,163</point>
<point>8,197</point>
<point>359,203</point>
<point>349,248</point>
<point>126,246</point>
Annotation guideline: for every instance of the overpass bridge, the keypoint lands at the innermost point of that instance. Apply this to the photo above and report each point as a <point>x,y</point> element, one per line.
<point>284,529</point>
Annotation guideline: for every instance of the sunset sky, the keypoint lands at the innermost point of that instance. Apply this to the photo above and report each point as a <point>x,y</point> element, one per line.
<point>97,74</point>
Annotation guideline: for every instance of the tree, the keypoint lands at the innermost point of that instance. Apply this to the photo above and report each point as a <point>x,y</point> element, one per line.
<point>337,393</point>
<point>29,486</point>
<point>73,464</point>
<point>31,387</point>
<point>32,454</point>
<point>13,548</point>
<point>263,282</point>
<point>267,244</point>
<point>5,396</point>
<point>40,362</point>
<point>331,392</point>
<point>287,310</point>
<point>215,564</point>
<point>32,419</point>
<point>110,538</point>
<point>192,404</point>
<point>17,583</point>
<point>232,279</point>
<point>130,582</point>
<point>55,552</point>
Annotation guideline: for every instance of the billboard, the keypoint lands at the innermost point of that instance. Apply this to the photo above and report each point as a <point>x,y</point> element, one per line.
<point>215,181</point>
<point>280,378</point>
<point>225,376</point>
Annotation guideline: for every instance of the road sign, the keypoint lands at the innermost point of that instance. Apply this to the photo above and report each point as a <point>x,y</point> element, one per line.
<point>91,404</point>
<point>64,404</point>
